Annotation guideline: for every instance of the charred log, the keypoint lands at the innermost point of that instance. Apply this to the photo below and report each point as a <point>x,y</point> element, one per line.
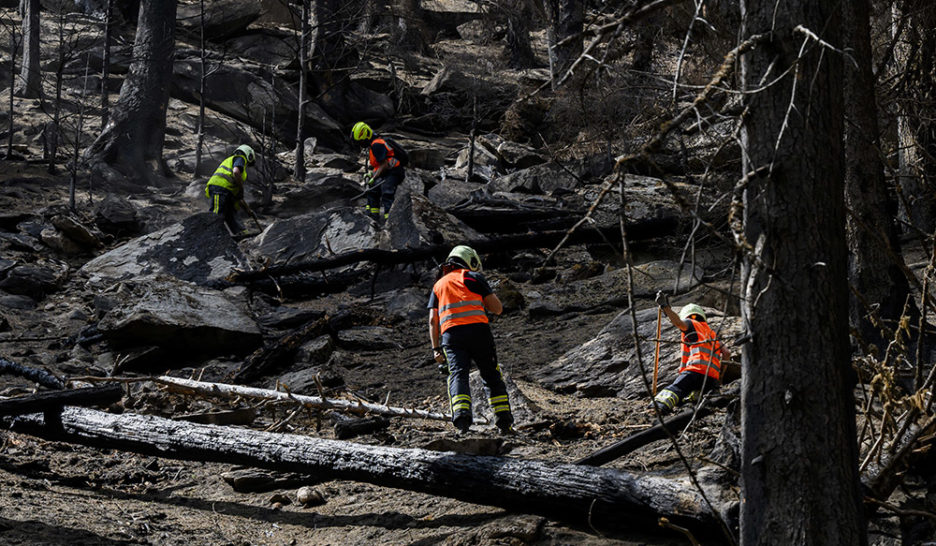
<point>602,497</point>
<point>53,401</point>
<point>42,377</point>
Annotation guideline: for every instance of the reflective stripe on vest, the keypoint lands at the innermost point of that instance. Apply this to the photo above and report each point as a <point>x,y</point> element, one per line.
<point>373,160</point>
<point>224,177</point>
<point>457,304</point>
<point>703,356</point>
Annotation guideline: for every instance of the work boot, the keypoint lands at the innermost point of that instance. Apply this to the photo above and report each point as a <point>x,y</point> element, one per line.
<point>462,423</point>
<point>660,406</point>
<point>505,423</point>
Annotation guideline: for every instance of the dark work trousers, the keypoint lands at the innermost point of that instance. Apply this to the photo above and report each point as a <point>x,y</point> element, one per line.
<point>474,342</point>
<point>222,201</point>
<point>688,382</point>
<point>383,190</point>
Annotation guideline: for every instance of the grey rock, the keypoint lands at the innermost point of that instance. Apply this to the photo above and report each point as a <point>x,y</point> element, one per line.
<point>288,317</point>
<point>198,249</point>
<point>317,235</point>
<point>33,280</point>
<point>316,350</point>
<point>416,221</point>
<point>368,338</point>
<point>549,179</point>
<point>116,215</point>
<point>223,18</point>
<point>322,190</point>
<point>451,192</point>
<point>18,302</point>
<point>181,317</point>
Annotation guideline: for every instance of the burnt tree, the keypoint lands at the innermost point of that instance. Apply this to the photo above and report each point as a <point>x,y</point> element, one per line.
<point>300,171</point>
<point>566,22</point>
<point>798,418</point>
<point>519,51</point>
<point>30,81</point>
<point>135,132</point>
<point>916,57</point>
<point>875,268</point>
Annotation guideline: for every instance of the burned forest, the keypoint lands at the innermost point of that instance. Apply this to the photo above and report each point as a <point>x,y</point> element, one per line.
<point>459,272</point>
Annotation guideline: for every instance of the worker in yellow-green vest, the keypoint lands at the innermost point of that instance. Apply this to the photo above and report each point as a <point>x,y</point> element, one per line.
<point>225,188</point>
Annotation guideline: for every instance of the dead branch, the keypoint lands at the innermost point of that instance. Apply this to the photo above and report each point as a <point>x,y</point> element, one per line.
<point>55,400</point>
<point>189,386</point>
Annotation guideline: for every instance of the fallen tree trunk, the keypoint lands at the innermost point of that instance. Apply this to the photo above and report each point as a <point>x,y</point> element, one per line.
<point>189,386</point>
<point>579,494</point>
<point>42,377</point>
<point>635,441</point>
<point>649,228</point>
<point>54,400</point>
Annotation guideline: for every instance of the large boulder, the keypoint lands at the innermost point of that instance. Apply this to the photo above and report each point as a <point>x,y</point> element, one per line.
<point>33,280</point>
<point>324,188</point>
<point>179,318</point>
<point>549,179</point>
<point>223,18</point>
<point>246,95</point>
<point>316,235</point>
<point>199,249</point>
<point>607,365</point>
<point>415,221</point>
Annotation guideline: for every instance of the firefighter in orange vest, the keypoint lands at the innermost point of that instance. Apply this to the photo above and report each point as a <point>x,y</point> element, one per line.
<point>702,355</point>
<point>386,172</point>
<point>459,333</point>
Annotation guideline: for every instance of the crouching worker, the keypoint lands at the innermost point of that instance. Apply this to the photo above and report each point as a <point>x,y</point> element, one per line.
<point>225,188</point>
<point>459,333</point>
<point>702,355</point>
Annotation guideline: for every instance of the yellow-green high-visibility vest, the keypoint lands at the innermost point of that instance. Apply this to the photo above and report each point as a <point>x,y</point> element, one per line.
<point>224,177</point>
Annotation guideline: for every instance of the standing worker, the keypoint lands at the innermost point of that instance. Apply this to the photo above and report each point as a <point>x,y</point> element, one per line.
<point>386,172</point>
<point>459,333</point>
<point>225,188</point>
<point>702,355</point>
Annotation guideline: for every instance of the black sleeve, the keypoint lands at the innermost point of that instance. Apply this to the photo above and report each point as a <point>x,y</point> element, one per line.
<point>477,284</point>
<point>433,301</point>
<point>692,336</point>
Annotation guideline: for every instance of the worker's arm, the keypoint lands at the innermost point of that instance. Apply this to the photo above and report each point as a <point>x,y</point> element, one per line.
<point>674,318</point>
<point>725,353</point>
<point>382,168</point>
<point>492,304</point>
<point>663,301</point>
<point>434,335</point>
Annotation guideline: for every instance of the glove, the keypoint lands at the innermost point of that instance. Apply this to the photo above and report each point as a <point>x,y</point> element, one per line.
<point>368,179</point>
<point>439,356</point>
<point>662,299</point>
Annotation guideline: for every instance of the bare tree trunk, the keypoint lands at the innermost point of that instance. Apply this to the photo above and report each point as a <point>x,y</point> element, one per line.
<point>135,134</point>
<point>566,22</point>
<point>410,29</point>
<point>203,58</point>
<point>30,83</point>
<point>13,46</point>
<point>798,418</point>
<point>916,57</point>
<point>105,62</point>
<point>300,170</point>
<point>875,261</point>
<point>518,34</point>
<point>52,130</point>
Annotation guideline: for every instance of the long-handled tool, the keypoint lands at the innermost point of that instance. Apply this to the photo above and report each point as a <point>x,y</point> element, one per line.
<point>656,357</point>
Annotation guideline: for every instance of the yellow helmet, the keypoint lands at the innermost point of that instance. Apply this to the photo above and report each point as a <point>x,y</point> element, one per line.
<point>247,152</point>
<point>691,309</point>
<point>465,255</point>
<point>361,131</point>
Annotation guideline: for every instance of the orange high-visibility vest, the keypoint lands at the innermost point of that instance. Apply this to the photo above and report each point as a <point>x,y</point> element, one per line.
<point>373,160</point>
<point>703,356</point>
<point>457,304</point>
